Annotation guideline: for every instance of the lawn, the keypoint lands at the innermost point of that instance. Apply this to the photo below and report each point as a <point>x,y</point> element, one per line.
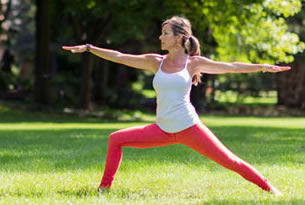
<point>58,159</point>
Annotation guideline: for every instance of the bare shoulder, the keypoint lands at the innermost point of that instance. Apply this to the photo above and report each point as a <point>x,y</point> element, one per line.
<point>153,56</point>
<point>199,60</point>
<point>154,59</point>
<point>195,62</point>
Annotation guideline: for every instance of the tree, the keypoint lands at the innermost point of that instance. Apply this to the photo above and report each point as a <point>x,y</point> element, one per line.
<point>16,25</point>
<point>5,54</point>
<point>106,24</point>
<point>291,85</point>
<point>42,69</point>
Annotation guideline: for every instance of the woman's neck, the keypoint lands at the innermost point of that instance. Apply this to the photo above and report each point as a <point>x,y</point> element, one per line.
<point>175,54</point>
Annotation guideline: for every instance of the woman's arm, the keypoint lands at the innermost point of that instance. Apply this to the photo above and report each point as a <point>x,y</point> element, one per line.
<point>148,61</point>
<point>205,65</point>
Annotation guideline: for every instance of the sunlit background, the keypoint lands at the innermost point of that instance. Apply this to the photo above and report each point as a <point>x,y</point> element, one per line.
<point>34,70</point>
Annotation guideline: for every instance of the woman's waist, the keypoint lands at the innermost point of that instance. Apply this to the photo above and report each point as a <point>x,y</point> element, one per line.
<point>175,121</point>
<point>177,110</point>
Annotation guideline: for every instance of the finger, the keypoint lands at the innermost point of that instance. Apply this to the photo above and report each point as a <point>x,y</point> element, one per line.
<point>68,47</point>
<point>286,67</point>
<point>279,68</point>
<point>282,69</point>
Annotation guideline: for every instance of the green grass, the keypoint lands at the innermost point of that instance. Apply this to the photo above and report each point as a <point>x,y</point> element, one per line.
<point>266,98</point>
<point>58,159</point>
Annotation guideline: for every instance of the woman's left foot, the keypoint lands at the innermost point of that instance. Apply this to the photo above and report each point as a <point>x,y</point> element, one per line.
<point>275,191</point>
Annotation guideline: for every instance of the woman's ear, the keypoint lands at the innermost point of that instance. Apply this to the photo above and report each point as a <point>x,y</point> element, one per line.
<point>179,39</point>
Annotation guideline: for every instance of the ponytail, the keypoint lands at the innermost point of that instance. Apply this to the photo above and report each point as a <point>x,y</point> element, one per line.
<point>192,47</point>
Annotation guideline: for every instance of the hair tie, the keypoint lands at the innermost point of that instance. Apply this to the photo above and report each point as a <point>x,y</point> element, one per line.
<point>190,37</point>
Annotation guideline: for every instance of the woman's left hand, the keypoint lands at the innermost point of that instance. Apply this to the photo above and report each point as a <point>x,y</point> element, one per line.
<point>275,68</point>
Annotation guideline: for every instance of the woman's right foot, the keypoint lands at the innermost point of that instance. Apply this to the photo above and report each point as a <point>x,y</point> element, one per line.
<point>102,189</point>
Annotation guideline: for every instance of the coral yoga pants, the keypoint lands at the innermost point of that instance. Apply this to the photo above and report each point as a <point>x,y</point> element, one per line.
<point>198,137</point>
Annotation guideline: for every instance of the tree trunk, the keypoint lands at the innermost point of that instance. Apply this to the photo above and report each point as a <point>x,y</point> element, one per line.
<point>101,81</point>
<point>291,85</point>
<point>122,86</point>
<point>85,84</point>
<point>42,69</point>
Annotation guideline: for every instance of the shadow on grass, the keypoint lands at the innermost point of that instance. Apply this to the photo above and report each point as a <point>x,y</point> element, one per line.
<point>45,150</point>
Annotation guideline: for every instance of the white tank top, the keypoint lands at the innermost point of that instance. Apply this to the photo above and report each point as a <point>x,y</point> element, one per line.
<point>175,112</point>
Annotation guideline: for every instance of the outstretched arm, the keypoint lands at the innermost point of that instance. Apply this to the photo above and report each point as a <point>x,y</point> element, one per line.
<point>145,61</point>
<point>205,65</point>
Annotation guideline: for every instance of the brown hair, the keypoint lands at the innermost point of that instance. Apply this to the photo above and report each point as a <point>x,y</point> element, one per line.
<point>182,26</point>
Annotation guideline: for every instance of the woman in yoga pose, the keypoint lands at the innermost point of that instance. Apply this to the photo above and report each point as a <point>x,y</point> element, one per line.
<point>177,121</point>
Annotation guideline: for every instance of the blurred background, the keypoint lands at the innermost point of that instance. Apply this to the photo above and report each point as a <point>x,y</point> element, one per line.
<point>35,74</point>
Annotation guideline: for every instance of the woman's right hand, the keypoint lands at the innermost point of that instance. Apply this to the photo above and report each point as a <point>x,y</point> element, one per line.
<point>75,49</point>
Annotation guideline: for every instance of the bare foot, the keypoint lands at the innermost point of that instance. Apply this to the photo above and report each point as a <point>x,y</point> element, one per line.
<point>103,189</point>
<point>275,191</point>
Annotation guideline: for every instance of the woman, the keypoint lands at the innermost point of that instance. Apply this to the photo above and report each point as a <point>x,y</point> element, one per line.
<point>177,120</point>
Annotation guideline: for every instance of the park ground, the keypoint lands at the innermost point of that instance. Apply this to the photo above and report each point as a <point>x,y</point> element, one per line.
<point>59,159</point>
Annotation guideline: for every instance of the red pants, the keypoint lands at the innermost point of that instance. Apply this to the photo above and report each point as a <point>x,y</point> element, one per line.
<point>197,137</point>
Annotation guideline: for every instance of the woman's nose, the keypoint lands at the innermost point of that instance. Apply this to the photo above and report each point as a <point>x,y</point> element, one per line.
<point>160,37</point>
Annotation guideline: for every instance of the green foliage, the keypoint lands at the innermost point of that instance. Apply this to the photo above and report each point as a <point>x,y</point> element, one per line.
<point>259,40</point>
<point>117,21</point>
<point>296,23</point>
<point>248,31</point>
<point>263,36</point>
<point>286,7</point>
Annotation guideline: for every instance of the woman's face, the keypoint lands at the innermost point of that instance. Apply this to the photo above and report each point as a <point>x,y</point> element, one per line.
<point>167,38</point>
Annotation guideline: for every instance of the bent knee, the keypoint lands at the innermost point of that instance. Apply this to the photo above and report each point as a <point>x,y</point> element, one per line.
<point>114,138</point>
